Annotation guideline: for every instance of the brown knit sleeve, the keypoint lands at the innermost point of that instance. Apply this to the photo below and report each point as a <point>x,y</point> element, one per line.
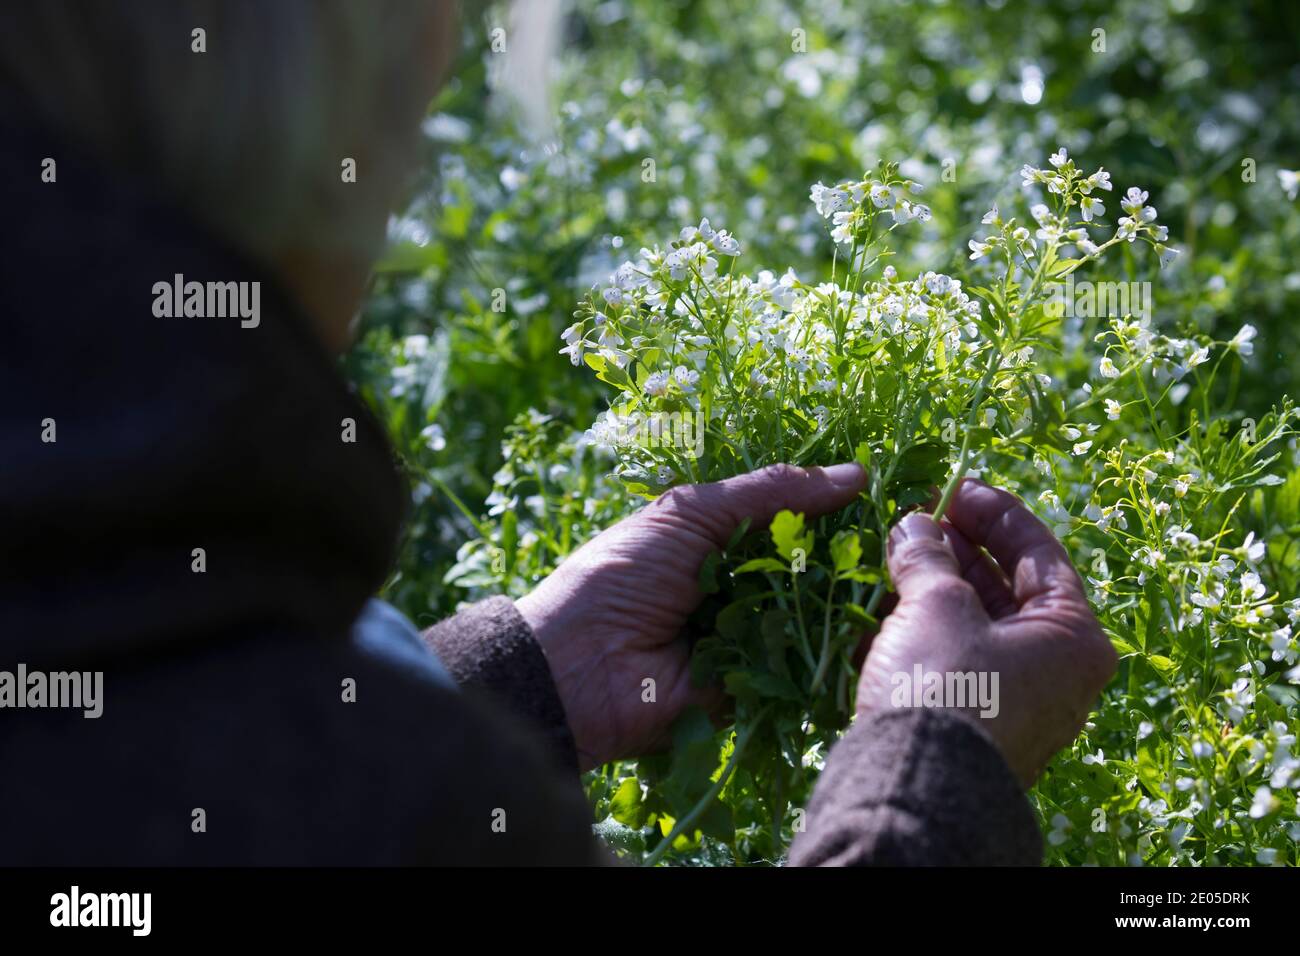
<point>917,787</point>
<point>489,648</point>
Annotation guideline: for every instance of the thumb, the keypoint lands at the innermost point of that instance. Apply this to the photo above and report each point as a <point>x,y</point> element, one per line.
<point>919,556</point>
<point>718,508</point>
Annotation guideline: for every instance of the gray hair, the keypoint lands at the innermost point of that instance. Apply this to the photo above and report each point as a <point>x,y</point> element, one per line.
<point>252,134</point>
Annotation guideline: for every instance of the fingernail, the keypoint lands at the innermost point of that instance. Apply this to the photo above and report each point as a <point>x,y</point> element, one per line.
<point>909,528</point>
<point>847,475</point>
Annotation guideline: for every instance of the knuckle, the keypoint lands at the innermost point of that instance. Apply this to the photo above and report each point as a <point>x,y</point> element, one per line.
<point>781,473</point>
<point>685,509</point>
<point>679,501</point>
<point>920,553</point>
<point>950,594</point>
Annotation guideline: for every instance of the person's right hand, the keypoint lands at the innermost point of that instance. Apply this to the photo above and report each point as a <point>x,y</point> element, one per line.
<point>1019,611</point>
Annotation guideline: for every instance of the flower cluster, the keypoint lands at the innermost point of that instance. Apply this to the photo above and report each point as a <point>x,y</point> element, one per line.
<point>1071,192</point>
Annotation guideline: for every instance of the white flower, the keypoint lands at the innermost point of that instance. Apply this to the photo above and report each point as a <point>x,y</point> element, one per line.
<point>1091,207</point>
<point>881,196</point>
<point>1290,180</point>
<point>1099,180</point>
<point>1107,368</point>
<point>1081,448</point>
<point>1239,698</point>
<point>1199,357</point>
<point>1098,758</point>
<point>937,283</point>
<point>1241,342</point>
<point>726,243</point>
<point>1113,409</point>
<point>657,384</point>
<point>665,474</point>
<point>1167,255</point>
<point>574,351</point>
<point>433,437</point>
<point>1263,804</point>
<point>843,231</point>
<point>1059,157</point>
<point>1252,549</point>
<point>1133,201</point>
<point>978,249</point>
<point>991,217</point>
<point>828,199</point>
<point>686,378</point>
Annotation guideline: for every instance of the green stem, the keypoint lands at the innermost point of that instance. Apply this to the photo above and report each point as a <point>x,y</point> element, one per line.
<point>963,459</point>
<point>825,658</point>
<point>742,740</point>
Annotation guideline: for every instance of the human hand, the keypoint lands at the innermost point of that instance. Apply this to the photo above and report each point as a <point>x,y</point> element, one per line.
<point>1018,611</point>
<point>612,614</point>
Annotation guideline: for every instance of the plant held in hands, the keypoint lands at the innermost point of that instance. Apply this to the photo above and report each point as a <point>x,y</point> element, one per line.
<point>717,373</point>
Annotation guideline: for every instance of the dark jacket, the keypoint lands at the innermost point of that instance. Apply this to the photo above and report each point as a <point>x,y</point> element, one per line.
<point>225,696</point>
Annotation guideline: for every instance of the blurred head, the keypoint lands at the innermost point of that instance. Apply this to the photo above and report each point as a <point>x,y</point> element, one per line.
<point>251,135</point>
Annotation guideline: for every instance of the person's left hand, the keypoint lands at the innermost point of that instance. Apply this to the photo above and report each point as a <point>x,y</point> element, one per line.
<point>612,614</point>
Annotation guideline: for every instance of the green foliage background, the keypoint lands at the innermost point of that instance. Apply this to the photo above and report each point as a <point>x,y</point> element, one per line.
<point>1193,100</point>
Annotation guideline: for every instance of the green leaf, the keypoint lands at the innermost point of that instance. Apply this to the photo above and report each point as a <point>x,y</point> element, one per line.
<point>738,535</point>
<point>695,757</point>
<point>846,550</point>
<point>762,684</point>
<point>626,806</point>
<point>1163,664</point>
<point>761,564</point>
<point>1123,647</point>
<point>927,461</point>
<point>708,580</point>
<point>859,616</point>
<point>788,535</point>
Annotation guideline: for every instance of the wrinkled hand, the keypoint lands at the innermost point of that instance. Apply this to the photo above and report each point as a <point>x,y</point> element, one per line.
<point>1019,611</point>
<point>612,614</point>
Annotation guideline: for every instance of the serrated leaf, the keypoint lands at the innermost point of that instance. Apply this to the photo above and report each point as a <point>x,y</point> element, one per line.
<point>788,534</point>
